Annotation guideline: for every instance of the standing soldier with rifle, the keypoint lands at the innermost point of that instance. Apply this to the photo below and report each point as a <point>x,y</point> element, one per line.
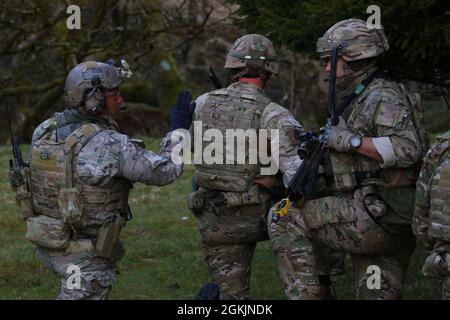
<point>368,155</point>
<point>80,173</point>
<point>233,199</point>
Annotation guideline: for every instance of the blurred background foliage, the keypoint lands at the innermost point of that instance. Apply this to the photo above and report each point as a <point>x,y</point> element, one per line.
<point>170,45</point>
<point>37,51</point>
<point>418,30</point>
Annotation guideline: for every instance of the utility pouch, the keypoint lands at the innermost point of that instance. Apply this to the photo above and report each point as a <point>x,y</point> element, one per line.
<point>47,232</point>
<point>108,237</point>
<point>237,199</point>
<point>439,219</point>
<point>71,207</point>
<point>20,183</point>
<point>374,205</point>
<point>70,203</point>
<point>343,165</point>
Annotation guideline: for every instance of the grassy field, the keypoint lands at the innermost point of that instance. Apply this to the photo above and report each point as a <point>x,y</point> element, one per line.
<point>163,259</point>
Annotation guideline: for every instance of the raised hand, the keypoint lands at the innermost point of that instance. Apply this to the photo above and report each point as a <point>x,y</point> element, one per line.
<point>181,114</point>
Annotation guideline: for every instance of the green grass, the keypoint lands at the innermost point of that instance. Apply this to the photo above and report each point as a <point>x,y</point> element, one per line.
<point>163,259</point>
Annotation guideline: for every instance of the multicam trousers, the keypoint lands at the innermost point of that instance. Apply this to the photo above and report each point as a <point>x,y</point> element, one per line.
<point>96,274</point>
<point>229,238</point>
<point>341,223</point>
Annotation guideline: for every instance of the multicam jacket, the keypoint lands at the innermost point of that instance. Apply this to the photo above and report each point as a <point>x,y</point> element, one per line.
<point>383,112</point>
<point>431,218</point>
<point>244,106</point>
<point>105,163</point>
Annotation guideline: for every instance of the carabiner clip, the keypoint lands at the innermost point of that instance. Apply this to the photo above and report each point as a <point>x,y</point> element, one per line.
<point>280,209</point>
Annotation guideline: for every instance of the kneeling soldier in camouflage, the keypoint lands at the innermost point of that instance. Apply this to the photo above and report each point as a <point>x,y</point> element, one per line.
<point>82,169</point>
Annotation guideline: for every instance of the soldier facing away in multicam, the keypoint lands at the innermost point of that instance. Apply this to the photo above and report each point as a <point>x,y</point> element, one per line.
<point>82,169</point>
<point>232,200</point>
<point>431,222</point>
<point>374,153</point>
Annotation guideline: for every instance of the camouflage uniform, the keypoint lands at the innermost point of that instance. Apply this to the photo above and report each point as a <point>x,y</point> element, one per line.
<point>230,232</point>
<point>108,158</point>
<point>83,157</point>
<point>369,212</point>
<point>231,220</point>
<point>431,222</point>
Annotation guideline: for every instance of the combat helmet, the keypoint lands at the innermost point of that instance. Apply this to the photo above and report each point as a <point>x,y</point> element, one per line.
<point>93,78</point>
<point>253,51</point>
<point>359,41</point>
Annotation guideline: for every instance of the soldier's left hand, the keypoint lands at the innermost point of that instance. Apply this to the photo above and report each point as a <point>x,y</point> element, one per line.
<point>338,137</point>
<point>181,114</point>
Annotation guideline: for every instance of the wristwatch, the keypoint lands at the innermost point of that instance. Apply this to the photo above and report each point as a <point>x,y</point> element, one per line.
<point>355,142</point>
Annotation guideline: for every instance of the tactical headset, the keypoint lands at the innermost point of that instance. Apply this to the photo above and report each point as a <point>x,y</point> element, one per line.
<point>98,93</point>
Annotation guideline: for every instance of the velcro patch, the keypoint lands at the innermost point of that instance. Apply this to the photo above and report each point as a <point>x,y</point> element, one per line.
<point>44,155</point>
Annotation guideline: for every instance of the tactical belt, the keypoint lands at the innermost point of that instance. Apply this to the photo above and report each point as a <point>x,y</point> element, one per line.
<point>217,198</point>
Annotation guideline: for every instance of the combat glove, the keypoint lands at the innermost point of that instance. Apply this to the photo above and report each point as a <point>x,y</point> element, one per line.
<point>181,114</point>
<point>338,137</point>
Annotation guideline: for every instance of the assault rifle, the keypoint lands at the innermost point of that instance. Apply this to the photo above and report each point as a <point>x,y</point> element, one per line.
<point>16,163</point>
<point>212,76</point>
<point>312,152</point>
<point>18,169</point>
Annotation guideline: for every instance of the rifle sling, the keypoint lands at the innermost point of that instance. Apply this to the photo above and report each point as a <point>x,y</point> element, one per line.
<point>317,158</point>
